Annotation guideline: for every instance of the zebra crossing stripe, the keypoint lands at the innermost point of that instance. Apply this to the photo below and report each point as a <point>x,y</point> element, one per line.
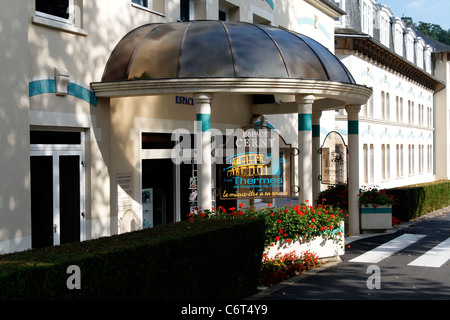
<point>389,248</point>
<point>434,258</point>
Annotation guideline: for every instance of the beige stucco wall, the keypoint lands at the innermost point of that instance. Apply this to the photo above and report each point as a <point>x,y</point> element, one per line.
<point>15,220</point>
<point>32,48</point>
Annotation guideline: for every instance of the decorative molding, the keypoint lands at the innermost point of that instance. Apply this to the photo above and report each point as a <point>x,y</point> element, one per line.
<point>43,85</point>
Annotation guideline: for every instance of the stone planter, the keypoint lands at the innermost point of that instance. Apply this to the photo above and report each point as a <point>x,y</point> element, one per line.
<point>321,247</point>
<point>376,219</point>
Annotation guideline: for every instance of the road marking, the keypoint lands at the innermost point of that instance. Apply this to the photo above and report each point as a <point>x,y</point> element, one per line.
<point>389,248</point>
<point>434,258</point>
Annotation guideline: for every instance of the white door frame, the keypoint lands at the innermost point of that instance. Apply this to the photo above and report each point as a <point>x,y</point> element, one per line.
<point>55,151</point>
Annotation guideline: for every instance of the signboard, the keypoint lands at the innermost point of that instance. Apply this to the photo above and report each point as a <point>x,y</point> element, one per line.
<point>257,164</point>
<point>334,159</point>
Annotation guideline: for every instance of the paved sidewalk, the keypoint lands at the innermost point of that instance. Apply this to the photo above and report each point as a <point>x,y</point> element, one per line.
<point>328,263</point>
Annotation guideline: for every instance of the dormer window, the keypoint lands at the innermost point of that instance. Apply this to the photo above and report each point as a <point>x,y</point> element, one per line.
<point>367,14</point>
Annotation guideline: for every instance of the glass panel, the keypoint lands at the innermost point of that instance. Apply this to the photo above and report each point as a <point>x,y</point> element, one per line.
<point>69,195</point>
<point>157,141</point>
<point>54,137</point>
<point>335,69</point>
<point>299,58</point>
<point>206,51</point>
<point>58,8</point>
<point>41,172</point>
<point>157,56</point>
<point>255,53</point>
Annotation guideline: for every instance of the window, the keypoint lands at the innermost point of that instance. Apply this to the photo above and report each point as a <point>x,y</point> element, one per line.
<point>158,6</point>
<point>385,161</point>
<point>399,108</point>
<point>385,105</point>
<point>430,158</point>
<point>410,112</point>
<point>62,15</point>
<point>421,158</point>
<point>59,10</point>
<point>368,163</point>
<point>411,159</point>
<point>399,149</point>
<point>367,11</point>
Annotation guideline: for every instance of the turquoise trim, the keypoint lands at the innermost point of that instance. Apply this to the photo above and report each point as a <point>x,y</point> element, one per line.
<point>378,210</point>
<point>37,87</point>
<point>316,131</point>
<point>304,122</point>
<point>271,3</point>
<point>312,22</point>
<point>205,119</point>
<point>41,86</point>
<point>353,127</point>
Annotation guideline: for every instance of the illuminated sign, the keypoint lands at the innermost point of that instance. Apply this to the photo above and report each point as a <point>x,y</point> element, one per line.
<point>257,164</point>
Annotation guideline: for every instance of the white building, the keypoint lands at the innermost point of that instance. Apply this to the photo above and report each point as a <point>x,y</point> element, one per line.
<point>399,126</point>
<point>90,99</point>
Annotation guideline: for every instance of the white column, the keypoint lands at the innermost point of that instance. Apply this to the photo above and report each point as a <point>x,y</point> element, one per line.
<point>353,168</point>
<point>315,152</point>
<point>203,158</point>
<point>305,178</point>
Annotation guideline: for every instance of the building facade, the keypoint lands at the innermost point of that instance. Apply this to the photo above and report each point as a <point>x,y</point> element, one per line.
<point>399,127</point>
<point>98,94</point>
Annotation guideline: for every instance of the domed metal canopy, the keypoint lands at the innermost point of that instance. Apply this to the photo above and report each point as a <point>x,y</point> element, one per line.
<point>216,49</point>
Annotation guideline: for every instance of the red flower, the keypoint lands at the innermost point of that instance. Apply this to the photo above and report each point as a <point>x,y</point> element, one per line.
<point>269,204</point>
<point>241,205</point>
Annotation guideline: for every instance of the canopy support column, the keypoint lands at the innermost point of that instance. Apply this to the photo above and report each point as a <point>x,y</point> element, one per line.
<point>353,168</point>
<point>203,156</point>
<point>304,104</point>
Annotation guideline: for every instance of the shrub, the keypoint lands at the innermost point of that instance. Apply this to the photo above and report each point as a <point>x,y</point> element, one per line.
<point>416,200</point>
<point>210,259</point>
<point>336,196</point>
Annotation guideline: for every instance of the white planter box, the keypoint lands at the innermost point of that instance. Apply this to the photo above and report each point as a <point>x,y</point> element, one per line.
<point>379,218</point>
<point>322,248</point>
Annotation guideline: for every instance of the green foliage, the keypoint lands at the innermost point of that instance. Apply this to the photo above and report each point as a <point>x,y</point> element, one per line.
<point>372,196</point>
<point>416,200</point>
<point>208,259</point>
<point>430,29</point>
<point>300,222</point>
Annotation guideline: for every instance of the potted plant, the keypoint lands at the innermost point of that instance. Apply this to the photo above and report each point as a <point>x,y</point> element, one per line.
<point>376,208</point>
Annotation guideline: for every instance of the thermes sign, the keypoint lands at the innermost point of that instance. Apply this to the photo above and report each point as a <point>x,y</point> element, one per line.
<point>258,167</point>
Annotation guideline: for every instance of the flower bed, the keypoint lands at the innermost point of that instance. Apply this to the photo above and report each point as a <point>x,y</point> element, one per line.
<point>295,236</point>
<point>285,266</point>
<point>290,224</point>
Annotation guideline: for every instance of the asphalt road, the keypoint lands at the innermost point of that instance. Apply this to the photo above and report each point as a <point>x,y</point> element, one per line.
<point>402,266</point>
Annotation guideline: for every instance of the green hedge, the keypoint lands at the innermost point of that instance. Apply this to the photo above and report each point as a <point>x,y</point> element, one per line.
<point>416,200</point>
<point>202,259</point>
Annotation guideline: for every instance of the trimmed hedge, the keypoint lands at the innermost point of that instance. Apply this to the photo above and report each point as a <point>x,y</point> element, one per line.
<point>201,259</point>
<point>416,200</point>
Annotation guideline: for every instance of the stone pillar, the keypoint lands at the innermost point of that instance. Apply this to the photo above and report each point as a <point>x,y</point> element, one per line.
<point>203,156</point>
<point>316,143</point>
<point>304,103</point>
<point>353,168</point>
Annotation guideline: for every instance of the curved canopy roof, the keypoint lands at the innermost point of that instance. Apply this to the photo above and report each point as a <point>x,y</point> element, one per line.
<point>216,49</point>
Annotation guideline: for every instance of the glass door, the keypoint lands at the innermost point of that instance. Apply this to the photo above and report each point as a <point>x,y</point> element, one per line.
<point>57,192</point>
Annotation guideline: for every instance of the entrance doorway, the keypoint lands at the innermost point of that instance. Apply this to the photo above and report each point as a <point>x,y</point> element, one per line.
<point>57,187</point>
<point>158,191</point>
